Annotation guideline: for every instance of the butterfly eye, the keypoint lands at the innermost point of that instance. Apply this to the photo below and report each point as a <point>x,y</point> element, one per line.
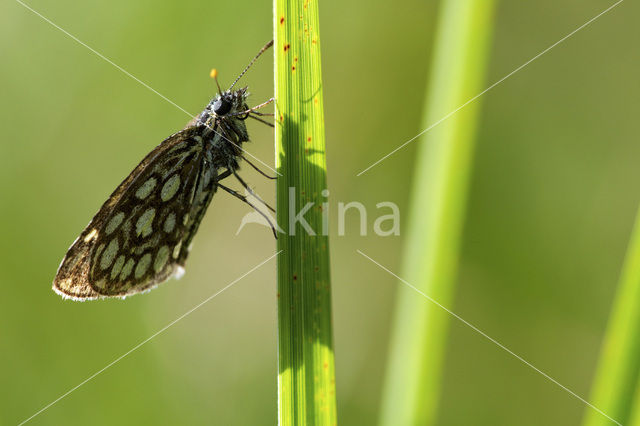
<point>221,106</point>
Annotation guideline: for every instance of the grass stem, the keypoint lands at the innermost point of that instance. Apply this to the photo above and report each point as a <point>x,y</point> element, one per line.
<point>306,378</point>
<point>616,387</point>
<point>442,169</point>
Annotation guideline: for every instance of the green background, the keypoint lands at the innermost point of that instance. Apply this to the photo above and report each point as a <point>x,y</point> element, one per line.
<point>553,196</point>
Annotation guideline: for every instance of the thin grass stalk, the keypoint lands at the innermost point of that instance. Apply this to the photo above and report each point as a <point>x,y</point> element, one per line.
<point>432,238</point>
<point>616,387</point>
<point>306,378</point>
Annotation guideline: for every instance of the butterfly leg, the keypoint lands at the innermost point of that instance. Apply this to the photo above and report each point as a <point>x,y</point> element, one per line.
<point>243,198</point>
<point>264,104</point>
<point>250,191</point>
<point>261,120</point>
<point>224,175</point>
<point>257,169</point>
<point>230,171</point>
<point>253,109</point>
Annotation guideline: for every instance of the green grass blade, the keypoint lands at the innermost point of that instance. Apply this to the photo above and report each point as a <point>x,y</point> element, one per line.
<point>616,385</point>
<point>306,379</point>
<point>634,418</point>
<point>443,164</point>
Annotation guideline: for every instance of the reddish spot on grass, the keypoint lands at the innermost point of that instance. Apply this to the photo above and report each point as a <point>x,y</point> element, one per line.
<point>295,277</point>
<point>286,47</point>
<point>282,20</point>
<point>293,68</point>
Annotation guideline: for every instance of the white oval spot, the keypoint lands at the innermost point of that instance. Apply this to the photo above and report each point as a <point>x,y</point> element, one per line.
<point>142,266</point>
<point>126,270</point>
<point>170,188</point>
<point>114,223</point>
<point>109,254</point>
<point>161,258</point>
<point>91,235</point>
<point>117,267</point>
<point>179,272</point>
<point>169,223</point>
<point>146,188</point>
<point>144,225</point>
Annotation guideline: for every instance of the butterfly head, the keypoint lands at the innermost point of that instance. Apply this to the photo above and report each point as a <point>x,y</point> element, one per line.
<point>229,103</point>
<point>222,105</point>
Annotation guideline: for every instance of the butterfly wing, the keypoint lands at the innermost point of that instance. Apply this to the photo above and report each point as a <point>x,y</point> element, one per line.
<point>139,237</point>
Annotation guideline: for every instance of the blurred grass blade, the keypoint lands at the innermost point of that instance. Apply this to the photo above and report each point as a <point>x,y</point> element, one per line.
<point>306,383</point>
<point>616,385</point>
<point>634,418</point>
<point>432,238</point>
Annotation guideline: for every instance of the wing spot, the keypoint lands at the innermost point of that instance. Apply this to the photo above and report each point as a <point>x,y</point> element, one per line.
<point>176,250</point>
<point>161,258</point>
<point>126,232</point>
<point>170,188</point>
<point>170,223</point>
<point>126,270</point>
<point>114,223</point>
<point>97,253</point>
<point>117,267</point>
<point>91,235</point>
<point>143,265</point>
<point>109,254</point>
<point>146,188</point>
<point>144,225</point>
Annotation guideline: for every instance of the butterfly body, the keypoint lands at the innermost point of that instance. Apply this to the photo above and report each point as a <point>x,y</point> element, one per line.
<point>141,235</point>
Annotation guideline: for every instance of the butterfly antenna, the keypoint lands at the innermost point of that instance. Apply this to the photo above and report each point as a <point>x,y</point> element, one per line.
<point>265,47</point>
<point>214,75</point>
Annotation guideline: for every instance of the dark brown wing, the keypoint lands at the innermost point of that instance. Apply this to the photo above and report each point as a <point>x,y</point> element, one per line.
<point>137,238</point>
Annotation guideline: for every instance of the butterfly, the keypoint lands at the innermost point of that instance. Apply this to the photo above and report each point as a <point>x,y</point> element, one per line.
<point>141,235</point>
